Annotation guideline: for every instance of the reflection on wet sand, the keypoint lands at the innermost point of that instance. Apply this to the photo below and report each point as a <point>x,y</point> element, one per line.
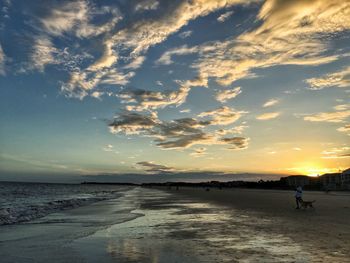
<point>130,251</point>
<point>176,230</point>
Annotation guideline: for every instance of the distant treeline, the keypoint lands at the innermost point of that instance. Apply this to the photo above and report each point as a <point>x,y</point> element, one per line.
<point>105,183</point>
<point>261,184</point>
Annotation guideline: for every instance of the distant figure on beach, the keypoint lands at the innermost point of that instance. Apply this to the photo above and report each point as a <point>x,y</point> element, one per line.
<point>298,196</point>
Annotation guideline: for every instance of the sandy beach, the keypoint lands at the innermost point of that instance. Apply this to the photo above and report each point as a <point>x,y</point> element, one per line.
<point>188,225</point>
<point>324,230</point>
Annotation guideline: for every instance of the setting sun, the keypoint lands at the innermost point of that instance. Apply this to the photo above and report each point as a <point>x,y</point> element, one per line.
<point>314,170</point>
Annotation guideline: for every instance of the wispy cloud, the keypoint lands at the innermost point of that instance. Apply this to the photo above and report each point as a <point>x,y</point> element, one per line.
<point>336,116</point>
<point>152,167</point>
<point>340,79</point>
<point>226,95</point>
<point>342,107</point>
<point>336,153</point>
<point>166,58</point>
<point>2,61</point>
<point>185,34</point>
<point>222,18</point>
<point>268,116</point>
<point>35,163</point>
<point>97,94</point>
<point>198,152</point>
<point>345,128</point>
<point>108,58</point>
<point>74,17</point>
<point>147,5</point>
<point>136,63</point>
<point>222,116</point>
<point>108,148</point>
<point>238,130</point>
<point>270,103</point>
<point>185,111</point>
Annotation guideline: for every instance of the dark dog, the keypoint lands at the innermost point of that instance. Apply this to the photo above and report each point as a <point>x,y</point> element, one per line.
<point>306,204</point>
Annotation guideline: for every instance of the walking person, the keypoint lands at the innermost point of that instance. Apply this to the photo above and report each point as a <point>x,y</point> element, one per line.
<point>298,196</point>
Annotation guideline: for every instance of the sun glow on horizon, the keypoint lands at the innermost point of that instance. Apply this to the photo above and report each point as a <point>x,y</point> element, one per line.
<point>313,170</point>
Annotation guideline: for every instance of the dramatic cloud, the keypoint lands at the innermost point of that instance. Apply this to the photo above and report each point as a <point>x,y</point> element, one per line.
<point>181,133</point>
<point>132,123</point>
<point>222,116</point>
<point>77,20</point>
<point>222,18</point>
<point>150,100</point>
<point>186,141</point>
<point>226,95</point>
<point>268,116</point>
<point>337,116</point>
<point>146,33</point>
<point>289,34</point>
<point>236,142</point>
<point>270,103</point>
<point>151,167</point>
<point>122,50</point>
<point>339,79</point>
<point>175,134</point>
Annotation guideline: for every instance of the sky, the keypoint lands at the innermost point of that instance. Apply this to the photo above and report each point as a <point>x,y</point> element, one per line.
<point>156,87</point>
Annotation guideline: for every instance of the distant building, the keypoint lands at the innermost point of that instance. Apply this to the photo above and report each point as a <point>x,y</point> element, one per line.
<point>336,181</point>
<point>297,180</point>
<point>294,181</point>
<point>345,179</point>
<point>330,181</point>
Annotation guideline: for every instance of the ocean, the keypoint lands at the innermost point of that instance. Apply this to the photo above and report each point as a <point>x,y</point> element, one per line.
<point>23,202</point>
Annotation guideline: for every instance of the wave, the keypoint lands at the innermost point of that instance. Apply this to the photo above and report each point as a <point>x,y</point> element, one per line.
<point>14,215</point>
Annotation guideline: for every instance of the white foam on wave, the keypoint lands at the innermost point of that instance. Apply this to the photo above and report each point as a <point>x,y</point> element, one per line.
<point>25,202</point>
<point>23,214</point>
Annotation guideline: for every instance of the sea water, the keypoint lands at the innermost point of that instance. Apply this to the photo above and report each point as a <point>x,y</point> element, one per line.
<point>23,202</point>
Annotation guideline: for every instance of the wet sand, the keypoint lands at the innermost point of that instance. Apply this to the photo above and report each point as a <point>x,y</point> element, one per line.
<point>189,225</point>
<point>324,231</point>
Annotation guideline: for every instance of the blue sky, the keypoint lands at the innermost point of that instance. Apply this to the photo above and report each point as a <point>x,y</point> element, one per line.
<point>173,87</point>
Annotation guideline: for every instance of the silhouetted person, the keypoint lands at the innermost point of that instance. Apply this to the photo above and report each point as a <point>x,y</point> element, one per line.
<point>298,196</point>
